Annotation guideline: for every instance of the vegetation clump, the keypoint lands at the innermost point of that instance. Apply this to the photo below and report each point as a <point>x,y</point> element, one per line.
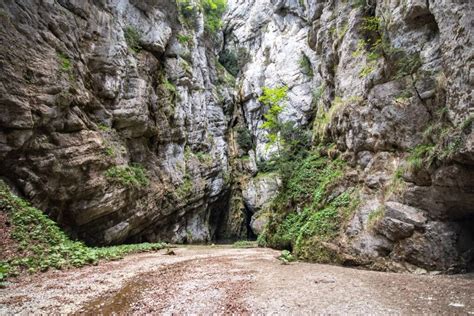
<point>104,127</point>
<point>244,244</point>
<point>129,176</point>
<point>309,211</point>
<point>375,217</point>
<point>376,45</point>
<point>325,117</point>
<point>441,141</point>
<point>184,39</point>
<point>274,99</point>
<point>39,244</point>
<point>213,11</point>
<point>64,62</point>
<point>185,188</point>
<point>286,257</point>
<point>306,66</point>
<point>290,141</point>
<point>244,139</point>
<point>188,11</point>
<point>132,37</point>
<point>230,61</point>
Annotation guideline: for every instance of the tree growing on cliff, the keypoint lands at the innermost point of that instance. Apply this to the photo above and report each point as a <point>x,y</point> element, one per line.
<point>274,99</point>
<point>292,142</point>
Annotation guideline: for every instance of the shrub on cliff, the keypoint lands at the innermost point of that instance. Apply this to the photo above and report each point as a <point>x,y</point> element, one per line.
<point>244,139</point>
<point>213,11</point>
<point>129,176</point>
<point>291,141</point>
<point>132,37</point>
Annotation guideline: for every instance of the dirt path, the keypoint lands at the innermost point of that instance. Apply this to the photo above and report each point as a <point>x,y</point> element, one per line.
<point>205,280</point>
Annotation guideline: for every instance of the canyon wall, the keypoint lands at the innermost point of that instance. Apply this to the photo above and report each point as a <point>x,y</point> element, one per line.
<point>114,118</point>
<point>122,119</point>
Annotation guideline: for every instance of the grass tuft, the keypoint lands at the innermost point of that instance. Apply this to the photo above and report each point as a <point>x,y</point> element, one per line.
<point>129,176</point>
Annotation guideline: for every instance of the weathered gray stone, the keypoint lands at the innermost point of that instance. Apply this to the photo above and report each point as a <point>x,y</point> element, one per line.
<point>405,213</point>
<point>394,229</point>
<point>259,191</point>
<point>77,101</point>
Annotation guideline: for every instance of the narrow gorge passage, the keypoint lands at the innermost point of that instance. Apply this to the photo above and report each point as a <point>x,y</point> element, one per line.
<point>221,279</point>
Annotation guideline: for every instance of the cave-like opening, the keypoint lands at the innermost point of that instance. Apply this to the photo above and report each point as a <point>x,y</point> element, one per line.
<point>248,223</point>
<point>465,242</point>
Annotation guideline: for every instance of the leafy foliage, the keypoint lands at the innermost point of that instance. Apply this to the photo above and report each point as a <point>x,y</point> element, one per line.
<point>421,155</point>
<point>204,157</point>
<point>244,139</point>
<point>292,142</point>
<point>404,63</point>
<point>244,244</point>
<point>104,127</point>
<point>170,87</point>
<point>213,11</point>
<point>306,66</point>
<point>286,257</point>
<point>441,141</point>
<point>109,151</point>
<point>377,45</point>
<point>367,70</point>
<point>188,11</point>
<point>132,37</point>
<point>375,216</point>
<point>306,213</point>
<point>129,176</point>
<point>273,98</point>
<point>183,38</point>
<point>64,62</point>
<point>228,58</point>
<point>185,188</point>
<point>42,244</point>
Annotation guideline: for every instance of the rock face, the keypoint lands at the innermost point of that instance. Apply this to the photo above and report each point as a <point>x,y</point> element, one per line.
<point>121,119</point>
<point>94,93</point>
<point>382,81</point>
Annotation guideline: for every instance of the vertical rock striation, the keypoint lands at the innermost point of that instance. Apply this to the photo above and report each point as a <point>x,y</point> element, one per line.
<point>96,95</point>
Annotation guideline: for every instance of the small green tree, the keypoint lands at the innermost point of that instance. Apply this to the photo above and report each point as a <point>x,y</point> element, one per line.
<point>274,99</point>
<point>292,142</point>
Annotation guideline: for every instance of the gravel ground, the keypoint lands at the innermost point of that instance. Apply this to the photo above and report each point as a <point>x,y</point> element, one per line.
<point>224,280</point>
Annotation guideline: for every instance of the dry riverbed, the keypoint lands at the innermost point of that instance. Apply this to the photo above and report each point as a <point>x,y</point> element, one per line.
<point>205,280</point>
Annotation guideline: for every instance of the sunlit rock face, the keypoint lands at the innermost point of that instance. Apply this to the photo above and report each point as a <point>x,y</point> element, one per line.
<point>270,39</point>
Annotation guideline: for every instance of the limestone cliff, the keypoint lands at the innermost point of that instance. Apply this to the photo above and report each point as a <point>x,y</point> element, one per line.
<point>134,120</point>
<point>114,118</point>
<point>388,86</point>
